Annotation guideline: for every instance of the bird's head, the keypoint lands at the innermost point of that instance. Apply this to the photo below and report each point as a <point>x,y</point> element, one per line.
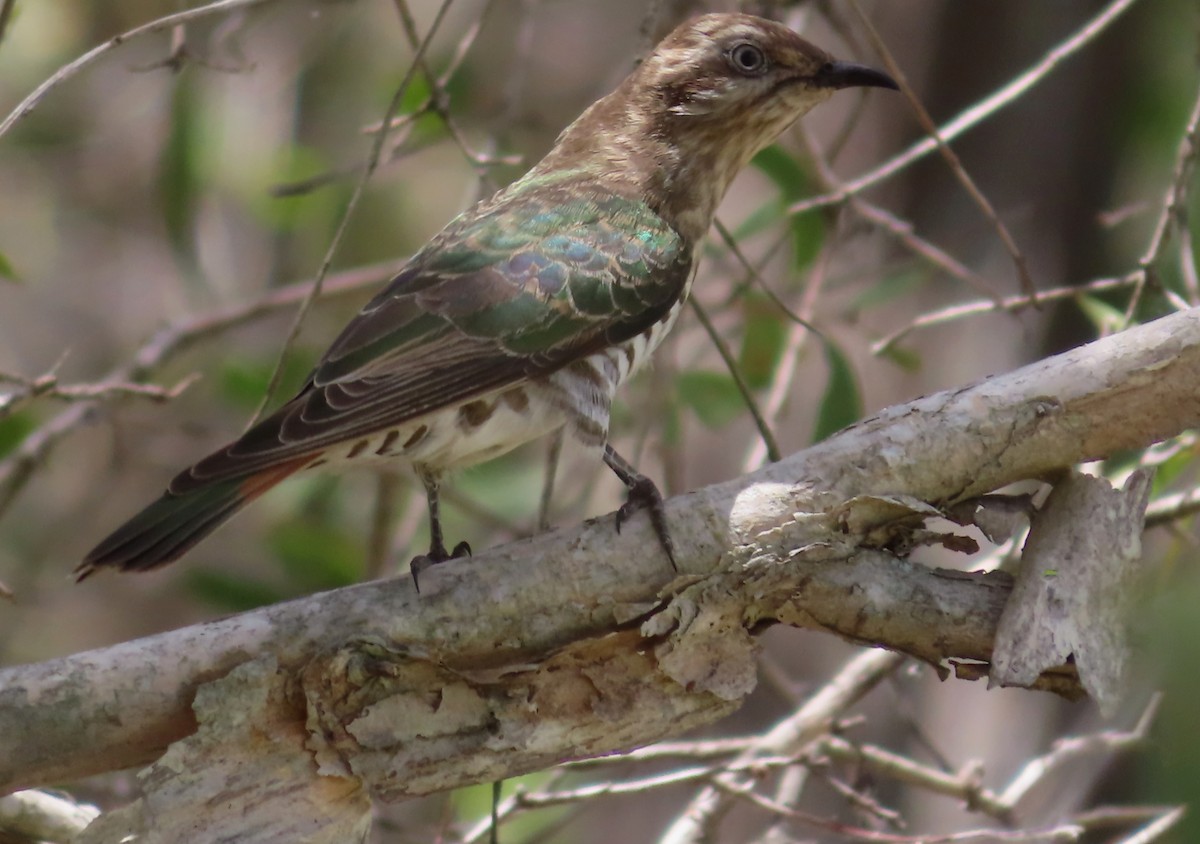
<point>713,93</point>
<point>730,70</point>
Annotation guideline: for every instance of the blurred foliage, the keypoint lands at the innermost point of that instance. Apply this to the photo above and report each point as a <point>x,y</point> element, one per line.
<point>841,403</point>
<point>1172,775</point>
<point>713,396</point>
<point>807,231</point>
<point>764,333</point>
<point>181,180</point>
<point>14,429</point>
<point>243,381</point>
<point>7,271</point>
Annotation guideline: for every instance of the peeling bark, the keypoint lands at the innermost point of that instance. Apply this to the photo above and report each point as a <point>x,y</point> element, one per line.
<point>584,641</point>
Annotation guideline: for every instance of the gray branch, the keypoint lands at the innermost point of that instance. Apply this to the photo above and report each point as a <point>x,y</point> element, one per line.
<point>583,641</point>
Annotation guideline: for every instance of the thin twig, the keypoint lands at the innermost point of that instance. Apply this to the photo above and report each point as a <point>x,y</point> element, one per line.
<point>542,799</point>
<point>756,277</point>
<point>903,231</point>
<point>698,821</point>
<point>383,523</point>
<point>693,750</point>
<point>861,801</point>
<point>1105,742</point>
<point>1155,830</point>
<point>964,785</point>
<point>1187,262</point>
<point>17,467</point>
<point>438,100</point>
<point>1172,508</point>
<point>1173,209</point>
<point>760,422</point>
<point>1009,303</point>
<point>1063,833</point>
<point>344,224</point>
<point>1110,816</point>
<point>48,386</point>
<point>553,454</point>
<point>952,160</point>
<point>69,70</point>
<point>969,118</point>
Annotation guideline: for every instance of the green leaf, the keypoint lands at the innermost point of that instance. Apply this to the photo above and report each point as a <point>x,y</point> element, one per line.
<point>808,230</point>
<point>275,202</point>
<point>180,171</point>
<point>415,94</point>
<point>229,593</point>
<point>713,396</point>
<point>6,269</point>
<point>760,219</point>
<point>317,555</point>
<point>14,429</point>
<point>474,803</point>
<point>1102,315</point>
<point>906,359</point>
<point>894,286</point>
<point>841,403</point>
<point>242,382</point>
<point>763,339</point>
<point>784,171</point>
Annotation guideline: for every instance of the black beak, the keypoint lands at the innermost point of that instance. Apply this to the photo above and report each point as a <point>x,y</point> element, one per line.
<point>850,75</point>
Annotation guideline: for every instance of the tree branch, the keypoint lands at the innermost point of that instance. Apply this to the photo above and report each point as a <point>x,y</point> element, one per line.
<point>583,641</point>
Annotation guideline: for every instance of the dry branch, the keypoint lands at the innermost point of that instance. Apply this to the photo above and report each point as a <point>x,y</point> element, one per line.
<point>583,642</point>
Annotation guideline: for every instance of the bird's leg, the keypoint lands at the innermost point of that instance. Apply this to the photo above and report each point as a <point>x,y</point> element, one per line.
<point>642,494</point>
<point>437,544</point>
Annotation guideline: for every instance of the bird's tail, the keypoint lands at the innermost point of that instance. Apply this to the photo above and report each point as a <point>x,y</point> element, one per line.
<point>169,527</point>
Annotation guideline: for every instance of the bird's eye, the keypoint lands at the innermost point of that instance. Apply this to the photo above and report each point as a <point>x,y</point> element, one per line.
<point>748,59</point>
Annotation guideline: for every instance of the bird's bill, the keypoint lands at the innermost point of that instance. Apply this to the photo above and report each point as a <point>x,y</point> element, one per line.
<point>851,75</point>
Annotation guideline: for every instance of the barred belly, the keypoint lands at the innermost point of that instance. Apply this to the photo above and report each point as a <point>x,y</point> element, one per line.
<point>579,396</point>
<point>457,437</point>
<point>584,390</point>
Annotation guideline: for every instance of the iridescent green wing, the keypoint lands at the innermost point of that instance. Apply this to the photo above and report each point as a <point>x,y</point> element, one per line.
<point>513,290</point>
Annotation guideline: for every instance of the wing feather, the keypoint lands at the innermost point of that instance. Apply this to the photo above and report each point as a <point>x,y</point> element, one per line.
<point>515,290</point>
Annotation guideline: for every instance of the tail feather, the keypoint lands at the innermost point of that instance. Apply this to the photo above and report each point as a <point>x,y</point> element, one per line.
<point>172,525</point>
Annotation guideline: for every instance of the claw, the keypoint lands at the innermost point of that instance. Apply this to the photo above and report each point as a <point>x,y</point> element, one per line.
<point>643,495</point>
<point>436,555</point>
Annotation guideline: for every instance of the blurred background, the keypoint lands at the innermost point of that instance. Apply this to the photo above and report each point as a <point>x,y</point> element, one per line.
<point>156,206</point>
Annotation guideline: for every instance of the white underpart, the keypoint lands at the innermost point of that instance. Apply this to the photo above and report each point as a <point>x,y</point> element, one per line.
<point>578,396</point>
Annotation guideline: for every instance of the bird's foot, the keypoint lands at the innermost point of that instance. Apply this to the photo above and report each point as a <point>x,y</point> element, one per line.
<point>437,554</point>
<point>644,495</point>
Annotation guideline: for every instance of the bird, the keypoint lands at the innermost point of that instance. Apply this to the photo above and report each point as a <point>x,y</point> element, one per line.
<point>524,315</point>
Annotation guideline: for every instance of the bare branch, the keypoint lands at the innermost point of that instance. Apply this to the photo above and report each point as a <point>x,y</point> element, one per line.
<point>735,372</point>
<point>1012,304</point>
<point>951,158</point>
<point>71,69</point>
<point>1173,208</point>
<point>586,615</point>
<point>17,467</point>
<point>699,820</point>
<point>335,241</point>
<point>968,119</point>
<point>966,785</point>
